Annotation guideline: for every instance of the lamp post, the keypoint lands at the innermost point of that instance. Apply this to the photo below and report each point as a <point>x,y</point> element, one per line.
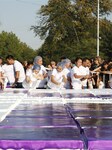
<point>98,27</point>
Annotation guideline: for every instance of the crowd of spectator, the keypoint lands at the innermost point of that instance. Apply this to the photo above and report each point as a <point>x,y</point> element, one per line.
<point>67,74</point>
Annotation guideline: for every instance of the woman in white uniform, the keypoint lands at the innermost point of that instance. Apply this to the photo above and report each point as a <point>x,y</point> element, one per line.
<point>39,61</point>
<point>57,78</point>
<point>67,73</point>
<point>32,77</point>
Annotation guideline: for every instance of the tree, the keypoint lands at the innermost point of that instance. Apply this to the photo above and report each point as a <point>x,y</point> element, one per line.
<point>69,27</point>
<point>106,38</point>
<point>10,44</point>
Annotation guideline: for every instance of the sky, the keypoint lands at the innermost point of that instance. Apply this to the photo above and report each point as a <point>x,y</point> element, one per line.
<point>18,16</point>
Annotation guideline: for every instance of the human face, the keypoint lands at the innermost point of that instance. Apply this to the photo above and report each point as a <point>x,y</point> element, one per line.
<point>79,63</point>
<point>25,63</point>
<point>111,70</point>
<point>53,64</point>
<point>59,69</point>
<point>10,61</point>
<point>39,62</point>
<point>87,63</point>
<point>0,61</point>
<point>36,71</point>
<point>106,66</point>
<point>96,62</point>
<point>30,66</point>
<point>68,65</point>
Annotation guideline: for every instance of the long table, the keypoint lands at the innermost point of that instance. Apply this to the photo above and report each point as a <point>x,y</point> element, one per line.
<point>49,119</point>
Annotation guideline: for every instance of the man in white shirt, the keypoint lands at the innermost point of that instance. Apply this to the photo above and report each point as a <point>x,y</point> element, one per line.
<point>2,78</point>
<point>9,73</point>
<point>1,71</point>
<point>78,74</point>
<point>85,71</point>
<point>18,70</point>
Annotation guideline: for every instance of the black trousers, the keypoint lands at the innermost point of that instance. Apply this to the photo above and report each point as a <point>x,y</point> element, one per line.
<point>19,85</point>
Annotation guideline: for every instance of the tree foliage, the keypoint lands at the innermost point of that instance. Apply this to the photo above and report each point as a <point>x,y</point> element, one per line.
<point>106,38</point>
<point>69,28</point>
<point>10,44</point>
